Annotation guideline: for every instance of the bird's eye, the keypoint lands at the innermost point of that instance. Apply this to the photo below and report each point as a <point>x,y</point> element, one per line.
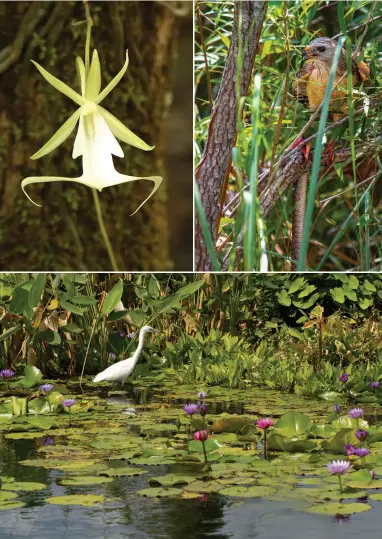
<point>321,49</point>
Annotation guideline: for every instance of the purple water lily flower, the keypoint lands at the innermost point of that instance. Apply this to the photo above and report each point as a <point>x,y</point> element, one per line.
<point>349,449</point>
<point>344,377</point>
<point>190,409</point>
<point>356,413</point>
<point>122,334</point>
<point>68,403</point>
<point>374,385</point>
<point>203,409</point>
<point>361,435</point>
<point>7,373</point>
<point>372,473</point>
<point>338,467</point>
<point>131,335</point>
<point>112,355</point>
<point>202,395</point>
<point>47,440</point>
<point>361,451</point>
<point>46,388</point>
<point>337,408</point>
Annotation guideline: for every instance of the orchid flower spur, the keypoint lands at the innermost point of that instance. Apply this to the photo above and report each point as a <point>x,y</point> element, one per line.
<point>97,134</point>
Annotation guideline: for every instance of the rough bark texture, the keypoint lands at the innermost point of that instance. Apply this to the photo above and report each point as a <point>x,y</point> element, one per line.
<point>63,234</point>
<point>222,128</point>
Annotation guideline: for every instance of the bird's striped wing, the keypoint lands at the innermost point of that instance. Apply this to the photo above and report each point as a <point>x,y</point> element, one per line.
<point>301,81</point>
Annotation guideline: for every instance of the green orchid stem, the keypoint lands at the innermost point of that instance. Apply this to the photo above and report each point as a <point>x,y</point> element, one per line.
<point>204,452</point>
<point>97,204</point>
<point>340,480</point>
<point>88,36</point>
<point>103,230</point>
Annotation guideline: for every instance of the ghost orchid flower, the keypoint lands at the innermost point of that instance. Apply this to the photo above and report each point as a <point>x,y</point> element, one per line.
<point>97,134</point>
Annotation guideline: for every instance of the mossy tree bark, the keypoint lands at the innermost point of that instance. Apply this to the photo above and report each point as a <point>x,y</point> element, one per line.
<point>63,234</point>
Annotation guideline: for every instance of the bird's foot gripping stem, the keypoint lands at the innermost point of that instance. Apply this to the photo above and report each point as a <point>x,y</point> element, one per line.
<point>305,148</point>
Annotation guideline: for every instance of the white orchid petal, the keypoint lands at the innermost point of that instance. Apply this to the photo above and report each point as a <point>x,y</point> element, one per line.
<point>122,178</point>
<point>43,179</point>
<point>116,179</point>
<point>60,86</point>
<point>60,136</point>
<point>113,82</point>
<point>93,83</point>
<point>122,132</point>
<point>81,74</point>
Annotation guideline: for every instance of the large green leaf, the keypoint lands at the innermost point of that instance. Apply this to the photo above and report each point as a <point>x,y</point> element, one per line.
<point>284,298</point>
<point>293,424</point>
<point>113,298</point>
<point>32,375</point>
<point>20,299</point>
<point>37,289</point>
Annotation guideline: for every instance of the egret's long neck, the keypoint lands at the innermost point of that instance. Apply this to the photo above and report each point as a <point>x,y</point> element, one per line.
<point>139,348</point>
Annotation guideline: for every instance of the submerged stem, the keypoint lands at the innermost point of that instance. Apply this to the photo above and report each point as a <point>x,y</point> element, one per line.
<point>340,480</point>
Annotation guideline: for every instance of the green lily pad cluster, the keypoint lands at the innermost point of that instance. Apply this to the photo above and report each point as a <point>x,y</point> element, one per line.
<point>106,445</point>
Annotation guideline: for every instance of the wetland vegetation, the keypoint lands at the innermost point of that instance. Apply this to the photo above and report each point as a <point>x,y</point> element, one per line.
<point>235,415</point>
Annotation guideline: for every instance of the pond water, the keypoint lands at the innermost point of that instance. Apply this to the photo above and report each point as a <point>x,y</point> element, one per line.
<point>144,434</point>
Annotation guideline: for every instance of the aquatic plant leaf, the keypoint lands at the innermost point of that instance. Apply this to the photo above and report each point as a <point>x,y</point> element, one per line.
<point>5,495</point>
<point>322,431</point>
<point>210,446</point>
<point>293,424</point>
<point>122,472</point>
<point>26,486</point>
<point>11,505</point>
<point>171,480</point>
<point>32,375</point>
<point>347,422</point>
<point>159,492</point>
<point>231,424</point>
<point>338,508</point>
<point>84,480</point>
<point>341,438</point>
<point>76,499</point>
<point>248,492</point>
<point>278,442</point>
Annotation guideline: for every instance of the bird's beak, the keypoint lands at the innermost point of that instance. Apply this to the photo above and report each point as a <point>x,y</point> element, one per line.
<point>307,53</point>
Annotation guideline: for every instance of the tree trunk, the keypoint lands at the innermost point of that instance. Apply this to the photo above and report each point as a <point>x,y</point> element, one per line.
<point>64,232</point>
<point>221,138</point>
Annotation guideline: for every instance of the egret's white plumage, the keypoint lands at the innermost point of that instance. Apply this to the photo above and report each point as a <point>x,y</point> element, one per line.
<point>121,370</point>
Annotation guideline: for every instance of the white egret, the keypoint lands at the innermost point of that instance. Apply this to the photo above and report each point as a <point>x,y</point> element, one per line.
<point>121,370</point>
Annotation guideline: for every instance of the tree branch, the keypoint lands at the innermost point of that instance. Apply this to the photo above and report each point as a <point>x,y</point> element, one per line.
<point>221,137</point>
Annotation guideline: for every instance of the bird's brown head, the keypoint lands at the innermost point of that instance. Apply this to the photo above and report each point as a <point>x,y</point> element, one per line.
<point>322,48</point>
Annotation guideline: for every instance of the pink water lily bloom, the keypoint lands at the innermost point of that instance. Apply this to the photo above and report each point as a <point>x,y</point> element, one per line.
<point>264,424</point>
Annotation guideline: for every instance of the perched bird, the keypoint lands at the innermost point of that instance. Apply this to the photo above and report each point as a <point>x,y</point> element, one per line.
<point>121,370</point>
<point>310,83</point>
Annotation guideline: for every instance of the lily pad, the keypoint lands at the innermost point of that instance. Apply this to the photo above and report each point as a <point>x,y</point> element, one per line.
<point>122,472</point>
<point>171,480</point>
<point>159,492</point>
<point>338,508</point>
<point>76,499</point>
<point>23,486</point>
<point>84,480</point>
<point>248,492</point>
<point>11,505</point>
